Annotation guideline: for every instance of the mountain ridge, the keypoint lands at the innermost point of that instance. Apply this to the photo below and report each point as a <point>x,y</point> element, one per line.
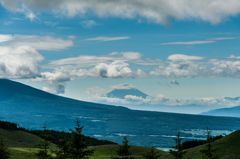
<point>226,112</point>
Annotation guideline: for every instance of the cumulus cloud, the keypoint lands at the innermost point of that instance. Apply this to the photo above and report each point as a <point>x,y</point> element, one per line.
<point>4,38</point>
<point>38,42</point>
<point>156,11</point>
<point>116,69</point>
<point>174,82</point>
<point>54,82</point>
<point>108,38</point>
<point>88,24</point>
<point>19,62</point>
<point>183,66</point>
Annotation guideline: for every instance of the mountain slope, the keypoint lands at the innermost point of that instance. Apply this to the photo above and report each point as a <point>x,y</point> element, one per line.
<point>31,108</point>
<point>228,112</point>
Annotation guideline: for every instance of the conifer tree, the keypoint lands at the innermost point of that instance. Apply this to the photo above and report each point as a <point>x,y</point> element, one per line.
<point>4,153</point>
<point>44,145</point>
<point>123,150</point>
<point>178,154</point>
<point>64,149</point>
<point>208,152</point>
<point>78,150</point>
<point>151,154</point>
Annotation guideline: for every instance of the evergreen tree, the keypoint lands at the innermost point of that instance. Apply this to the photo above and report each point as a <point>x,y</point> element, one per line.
<point>78,150</point>
<point>151,154</point>
<point>123,150</point>
<point>178,154</point>
<point>64,148</point>
<point>4,153</point>
<point>208,152</point>
<point>44,145</point>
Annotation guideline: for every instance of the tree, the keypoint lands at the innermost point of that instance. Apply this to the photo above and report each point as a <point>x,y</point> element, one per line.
<point>78,150</point>
<point>123,150</point>
<point>44,144</point>
<point>208,152</point>
<point>178,154</point>
<point>4,153</point>
<point>151,154</point>
<point>64,149</point>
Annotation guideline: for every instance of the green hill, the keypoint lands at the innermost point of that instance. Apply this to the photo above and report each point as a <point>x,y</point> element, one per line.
<point>16,138</point>
<point>227,147</point>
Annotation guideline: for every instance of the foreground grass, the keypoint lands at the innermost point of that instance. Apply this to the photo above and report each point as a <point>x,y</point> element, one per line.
<point>101,152</point>
<point>22,146</point>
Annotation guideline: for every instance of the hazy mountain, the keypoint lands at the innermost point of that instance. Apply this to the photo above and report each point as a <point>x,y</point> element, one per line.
<point>228,112</point>
<point>31,107</point>
<point>121,93</point>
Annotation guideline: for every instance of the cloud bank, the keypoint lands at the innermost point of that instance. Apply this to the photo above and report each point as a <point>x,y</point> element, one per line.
<point>155,11</point>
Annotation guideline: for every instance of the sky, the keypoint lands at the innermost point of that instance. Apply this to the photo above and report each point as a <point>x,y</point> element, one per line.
<point>179,52</point>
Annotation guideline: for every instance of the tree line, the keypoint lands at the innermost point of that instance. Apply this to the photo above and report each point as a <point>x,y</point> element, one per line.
<point>55,135</point>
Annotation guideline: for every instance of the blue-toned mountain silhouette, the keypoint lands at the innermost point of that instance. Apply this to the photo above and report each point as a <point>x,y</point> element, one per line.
<point>228,112</point>
<point>31,108</point>
<point>121,93</point>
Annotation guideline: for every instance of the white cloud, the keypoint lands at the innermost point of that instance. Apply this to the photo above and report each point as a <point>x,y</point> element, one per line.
<point>85,61</point>
<point>211,40</point>
<point>123,86</point>
<point>19,62</point>
<point>108,38</point>
<point>4,38</point>
<point>177,57</point>
<point>72,37</point>
<point>156,11</point>
<point>39,42</point>
<point>88,24</point>
<point>116,69</point>
<point>51,24</point>
<point>27,12</point>
<point>184,67</point>
<point>224,38</point>
<point>16,18</point>
<point>188,42</point>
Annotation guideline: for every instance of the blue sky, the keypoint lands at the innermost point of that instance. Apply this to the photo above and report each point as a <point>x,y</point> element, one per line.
<point>185,51</point>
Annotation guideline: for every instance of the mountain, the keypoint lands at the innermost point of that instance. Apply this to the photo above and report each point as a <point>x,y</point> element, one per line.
<point>31,108</point>
<point>121,93</point>
<point>227,112</point>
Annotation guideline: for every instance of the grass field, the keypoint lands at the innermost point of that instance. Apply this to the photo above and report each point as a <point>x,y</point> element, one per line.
<point>22,146</point>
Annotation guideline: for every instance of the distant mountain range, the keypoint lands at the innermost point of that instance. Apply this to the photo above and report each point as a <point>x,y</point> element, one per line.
<point>121,93</point>
<point>31,108</point>
<point>227,112</point>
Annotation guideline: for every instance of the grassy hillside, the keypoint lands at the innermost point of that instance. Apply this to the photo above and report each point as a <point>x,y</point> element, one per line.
<point>15,138</point>
<point>227,147</point>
